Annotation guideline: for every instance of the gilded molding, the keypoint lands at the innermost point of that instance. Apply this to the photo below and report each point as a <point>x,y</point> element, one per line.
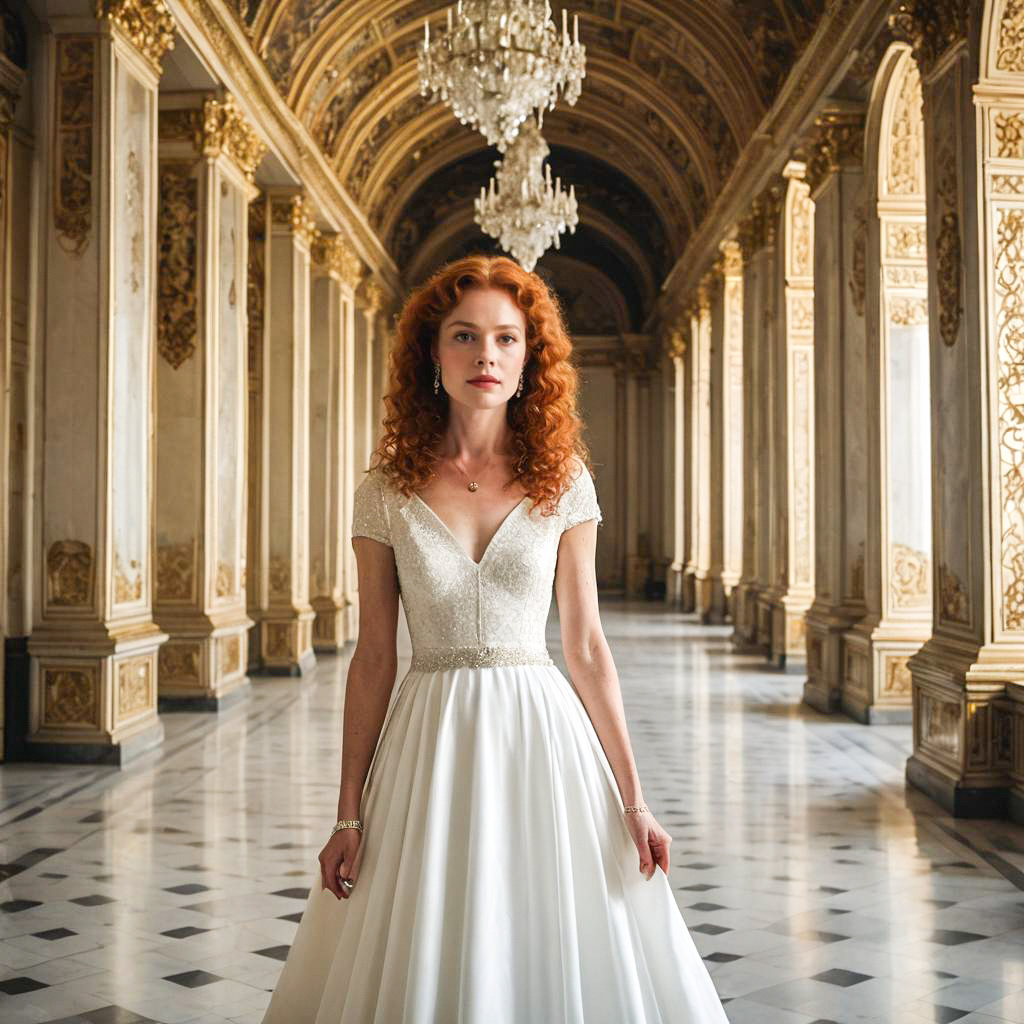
<point>293,211</point>
<point>225,130</point>
<point>177,327</point>
<point>72,200</point>
<point>335,254</point>
<point>69,573</point>
<point>839,142</point>
<point>931,27</point>
<point>732,265</point>
<point>148,24</point>
<point>370,295</point>
<point>1010,54</point>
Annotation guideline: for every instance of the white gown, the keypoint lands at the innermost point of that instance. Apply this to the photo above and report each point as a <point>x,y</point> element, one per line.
<point>498,882</point>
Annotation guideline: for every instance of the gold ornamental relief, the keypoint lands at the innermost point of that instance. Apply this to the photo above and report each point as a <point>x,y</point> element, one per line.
<point>1009,295</point>
<point>177,327</point>
<point>910,580</point>
<point>370,295</point>
<point>931,27</point>
<point>905,241</point>
<point>801,228</point>
<point>135,687</point>
<point>148,24</point>
<point>294,212</point>
<point>71,696</point>
<point>127,580</point>
<point>175,571</point>
<point>183,124</point>
<point>72,200</point>
<point>1009,132</point>
<point>230,649</point>
<point>898,680</point>
<point>277,639</point>
<point>179,662</point>
<point>907,311</point>
<point>225,579</point>
<point>69,573</point>
<point>225,130</point>
<point>1008,184</point>
<point>906,155</point>
<point>1010,55</point>
<point>948,251</point>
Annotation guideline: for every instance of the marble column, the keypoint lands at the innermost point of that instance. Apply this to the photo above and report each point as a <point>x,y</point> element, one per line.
<point>836,177</point>
<point>634,376</point>
<point>351,271</point>
<point>367,405</point>
<point>897,578</point>
<point>334,263</point>
<point>12,79</point>
<point>208,156</point>
<point>691,363</point>
<point>708,576</point>
<point>284,614</point>
<point>967,697</point>
<point>675,349</point>
<point>93,648</point>
<point>766,457</point>
<point>793,422</point>
<point>732,424</point>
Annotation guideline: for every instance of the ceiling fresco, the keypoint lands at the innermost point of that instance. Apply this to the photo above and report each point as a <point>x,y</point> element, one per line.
<point>672,94</point>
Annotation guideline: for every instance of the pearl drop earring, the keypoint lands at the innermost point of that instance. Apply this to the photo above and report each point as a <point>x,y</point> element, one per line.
<point>437,377</point>
<point>519,390</point>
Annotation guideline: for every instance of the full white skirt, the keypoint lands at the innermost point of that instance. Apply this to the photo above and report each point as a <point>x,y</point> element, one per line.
<point>498,882</point>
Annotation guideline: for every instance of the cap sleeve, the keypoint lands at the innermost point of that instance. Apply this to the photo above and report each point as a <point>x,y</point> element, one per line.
<point>579,503</point>
<point>369,514</point>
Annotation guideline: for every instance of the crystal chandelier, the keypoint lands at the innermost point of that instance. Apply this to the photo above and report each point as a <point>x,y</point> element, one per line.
<point>499,60</point>
<point>521,207</point>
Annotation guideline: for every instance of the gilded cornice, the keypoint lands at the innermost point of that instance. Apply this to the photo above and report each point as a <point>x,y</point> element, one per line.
<point>335,255</point>
<point>148,25</point>
<point>225,130</point>
<point>931,27</point>
<point>293,211</point>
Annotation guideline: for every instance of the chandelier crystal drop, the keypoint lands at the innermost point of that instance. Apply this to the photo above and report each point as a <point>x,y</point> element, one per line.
<point>499,60</point>
<point>521,206</point>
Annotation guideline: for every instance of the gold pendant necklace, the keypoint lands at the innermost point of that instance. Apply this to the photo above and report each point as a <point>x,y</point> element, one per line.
<point>472,485</point>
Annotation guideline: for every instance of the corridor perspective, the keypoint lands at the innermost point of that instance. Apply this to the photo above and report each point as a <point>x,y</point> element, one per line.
<point>785,239</point>
<point>816,885</point>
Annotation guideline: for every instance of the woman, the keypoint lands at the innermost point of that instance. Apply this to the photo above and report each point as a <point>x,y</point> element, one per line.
<point>491,824</point>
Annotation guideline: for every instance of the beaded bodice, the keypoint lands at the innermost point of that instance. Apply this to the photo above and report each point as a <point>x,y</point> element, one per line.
<point>461,612</point>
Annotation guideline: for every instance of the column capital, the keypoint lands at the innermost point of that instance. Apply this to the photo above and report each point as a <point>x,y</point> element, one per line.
<point>838,143</point>
<point>370,295</point>
<point>732,257</point>
<point>931,27</point>
<point>292,210</point>
<point>226,130</point>
<point>147,24</point>
<point>334,255</point>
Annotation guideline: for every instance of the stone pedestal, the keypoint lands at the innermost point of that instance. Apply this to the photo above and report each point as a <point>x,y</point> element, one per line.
<point>93,648</point>
<point>208,155</point>
<point>836,177</point>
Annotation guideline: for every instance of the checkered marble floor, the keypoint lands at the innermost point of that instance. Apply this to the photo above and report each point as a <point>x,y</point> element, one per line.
<point>815,884</point>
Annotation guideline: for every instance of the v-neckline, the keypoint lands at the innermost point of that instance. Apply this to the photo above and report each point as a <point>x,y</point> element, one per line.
<point>454,540</point>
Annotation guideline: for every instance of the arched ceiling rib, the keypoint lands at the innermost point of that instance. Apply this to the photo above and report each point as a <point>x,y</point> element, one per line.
<point>673,92</point>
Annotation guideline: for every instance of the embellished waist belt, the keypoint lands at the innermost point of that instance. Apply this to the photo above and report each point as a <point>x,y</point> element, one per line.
<point>435,659</point>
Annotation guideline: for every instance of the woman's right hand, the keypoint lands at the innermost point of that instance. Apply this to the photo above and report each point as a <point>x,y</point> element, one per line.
<point>338,861</point>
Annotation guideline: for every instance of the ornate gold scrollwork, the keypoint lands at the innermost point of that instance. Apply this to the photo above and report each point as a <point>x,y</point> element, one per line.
<point>135,687</point>
<point>1010,55</point>
<point>72,202</point>
<point>69,577</point>
<point>148,25</point>
<point>225,130</point>
<point>177,328</point>
<point>948,250</point>
<point>71,696</point>
<point>931,27</point>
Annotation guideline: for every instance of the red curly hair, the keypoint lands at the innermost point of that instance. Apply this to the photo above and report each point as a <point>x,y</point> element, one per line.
<point>546,428</point>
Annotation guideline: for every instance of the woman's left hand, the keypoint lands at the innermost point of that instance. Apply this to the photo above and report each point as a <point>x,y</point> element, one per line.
<point>652,842</point>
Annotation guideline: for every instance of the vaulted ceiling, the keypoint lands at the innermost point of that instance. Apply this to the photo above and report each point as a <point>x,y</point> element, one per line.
<point>672,93</point>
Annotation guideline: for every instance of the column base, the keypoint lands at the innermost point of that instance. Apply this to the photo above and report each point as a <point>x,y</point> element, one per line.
<point>209,702</point>
<point>674,586</point>
<point>876,685</point>
<point>329,634</point>
<point>286,642</point>
<point>744,616</point>
<point>789,629</point>
<point>710,600</point>
<point>205,658</point>
<point>957,799</point>
<point>825,628</point>
<point>766,597</point>
<point>120,754</point>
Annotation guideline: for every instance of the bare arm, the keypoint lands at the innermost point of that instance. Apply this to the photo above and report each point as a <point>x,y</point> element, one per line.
<point>588,657</point>
<point>372,670</point>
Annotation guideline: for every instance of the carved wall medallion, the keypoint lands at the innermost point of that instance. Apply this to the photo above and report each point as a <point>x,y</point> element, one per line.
<point>148,24</point>
<point>177,325</point>
<point>910,577</point>
<point>135,687</point>
<point>906,311</point>
<point>179,662</point>
<point>69,573</point>
<point>953,604</point>
<point>1010,56</point>
<point>71,696</point>
<point>72,200</point>
<point>175,571</point>
<point>898,680</point>
<point>1009,296</point>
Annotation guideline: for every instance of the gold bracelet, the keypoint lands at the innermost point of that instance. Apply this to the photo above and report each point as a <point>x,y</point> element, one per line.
<point>635,809</point>
<point>347,823</point>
